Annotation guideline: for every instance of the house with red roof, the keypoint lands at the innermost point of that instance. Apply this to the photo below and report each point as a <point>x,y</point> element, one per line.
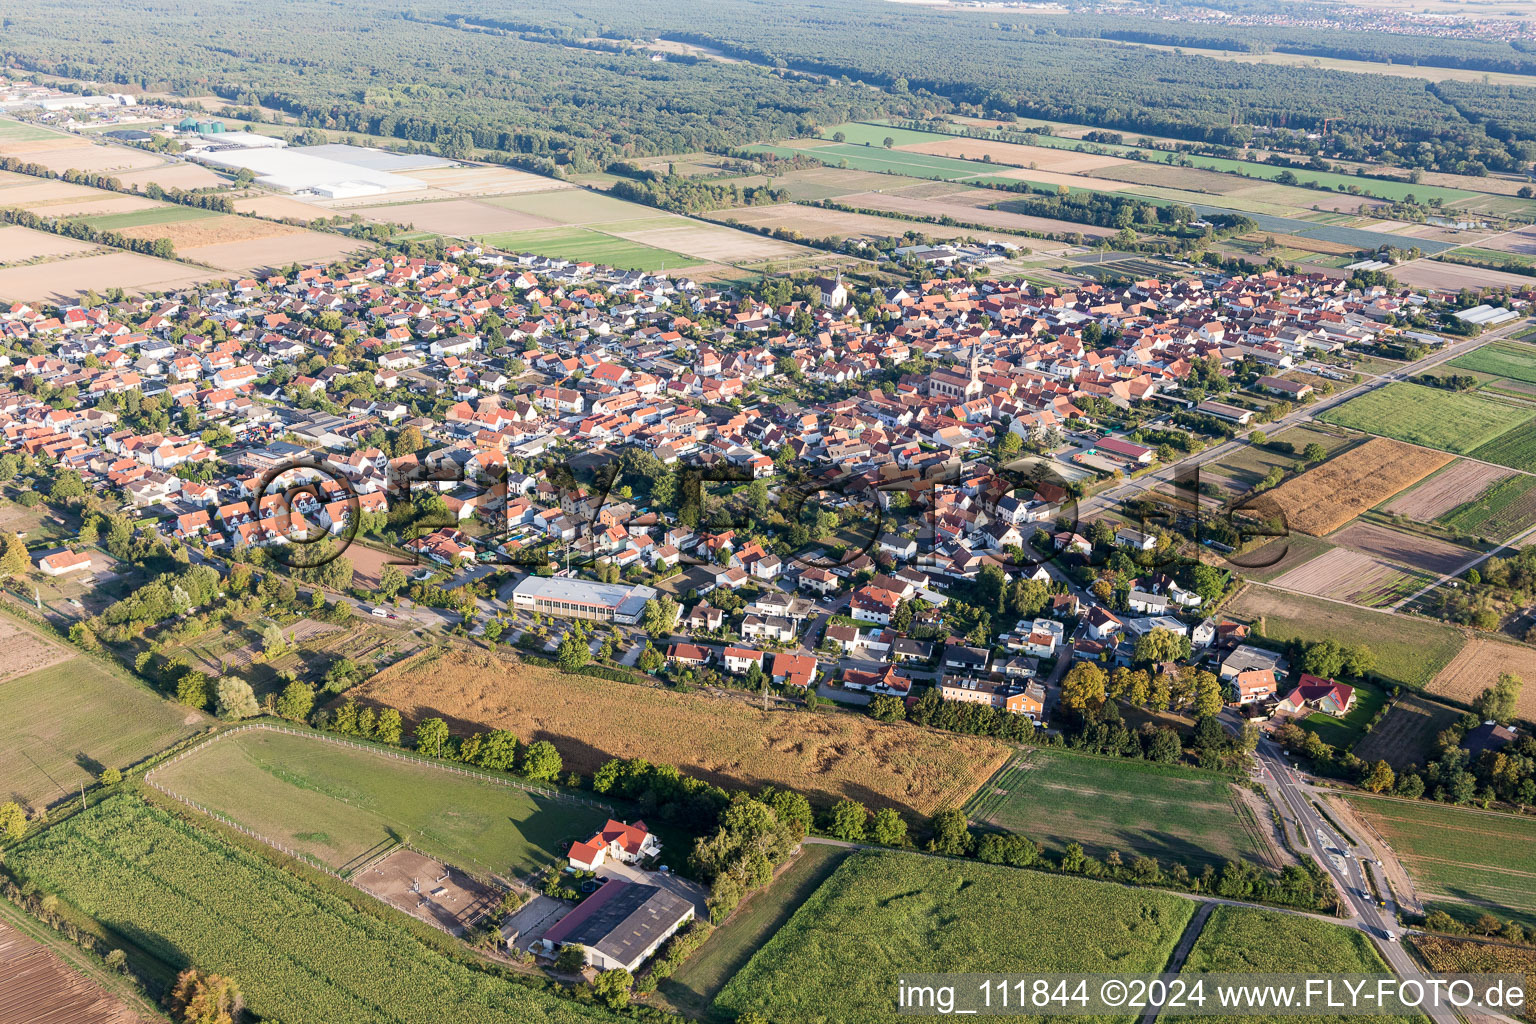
<point>624,842</point>
<point>1319,694</point>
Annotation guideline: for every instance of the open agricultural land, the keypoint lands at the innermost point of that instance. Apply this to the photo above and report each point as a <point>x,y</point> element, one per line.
<point>1246,940</point>
<point>1480,663</point>
<point>1323,499</point>
<point>1465,956</point>
<point>344,805</point>
<point>752,923</point>
<point>884,914</point>
<point>1514,360</point>
<point>1405,737</point>
<point>1515,448</point>
<point>1503,509</point>
<point>1462,860</point>
<point>1345,575</point>
<point>58,737</point>
<point>1451,421</point>
<point>36,977</point>
<point>1409,650</point>
<point>1446,490</point>
<point>1138,809</point>
<point>306,950</point>
<point>825,756</point>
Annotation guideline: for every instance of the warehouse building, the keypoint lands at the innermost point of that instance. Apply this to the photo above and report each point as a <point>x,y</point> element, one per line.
<point>568,598</point>
<point>621,925</point>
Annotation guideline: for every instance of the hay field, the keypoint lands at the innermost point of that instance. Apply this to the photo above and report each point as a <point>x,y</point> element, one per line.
<point>1321,500</point>
<point>21,245</point>
<point>260,252</point>
<point>1062,161</point>
<point>461,217</point>
<point>180,175</point>
<point>103,158</point>
<point>970,205</point>
<point>826,757</point>
<point>487,181</point>
<point>280,207</point>
<point>66,279</point>
<point>1445,490</point>
<point>199,232</point>
<point>1478,666</point>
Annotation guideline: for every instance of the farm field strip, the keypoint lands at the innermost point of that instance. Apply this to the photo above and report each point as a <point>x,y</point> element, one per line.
<point>826,757</point>
<point>1480,662</point>
<point>1328,496</point>
<point>1515,448</point>
<point>338,803</point>
<point>1404,737</point>
<point>1502,510</point>
<point>1408,550</point>
<point>1345,575</point>
<point>1446,490</point>
<point>1512,359</point>
<point>303,953</point>
<point>882,914</point>
<point>1456,422</point>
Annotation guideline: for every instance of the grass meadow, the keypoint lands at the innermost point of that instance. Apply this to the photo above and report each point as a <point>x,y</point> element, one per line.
<point>1174,815</point>
<point>342,804</point>
<point>1511,359</point>
<point>1515,448</point>
<point>882,914</point>
<point>585,245</point>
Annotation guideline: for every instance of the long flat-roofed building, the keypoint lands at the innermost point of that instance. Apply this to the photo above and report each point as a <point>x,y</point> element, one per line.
<point>568,598</point>
<point>622,924</point>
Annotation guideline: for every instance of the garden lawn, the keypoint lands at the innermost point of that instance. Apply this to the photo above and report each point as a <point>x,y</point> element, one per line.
<point>1243,940</point>
<point>1138,808</point>
<point>1472,859</point>
<point>340,804</point>
<point>885,914</point>
<point>586,245</point>
<point>1450,421</point>
<point>303,952</point>
<point>1344,733</point>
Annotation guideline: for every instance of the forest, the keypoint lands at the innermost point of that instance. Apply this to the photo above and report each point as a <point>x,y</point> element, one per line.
<point>556,88</point>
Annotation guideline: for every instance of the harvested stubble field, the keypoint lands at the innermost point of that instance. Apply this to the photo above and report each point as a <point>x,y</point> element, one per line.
<point>881,914</point>
<point>66,279</point>
<point>94,159</point>
<point>1479,665</point>
<point>1321,500</point>
<point>971,205</point>
<point>173,176</point>
<point>22,245</point>
<point>462,217</point>
<point>302,247</point>
<point>199,232</point>
<point>818,223</point>
<point>1452,277</point>
<point>1404,737</point>
<point>1059,161</point>
<point>1408,550</point>
<point>1345,575</point>
<point>1460,855</point>
<point>1408,650</point>
<point>1464,956</point>
<point>470,180</point>
<point>1141,173</point>
<point>723,739</point>
<point>281,208</point>
<point>1445,490</point>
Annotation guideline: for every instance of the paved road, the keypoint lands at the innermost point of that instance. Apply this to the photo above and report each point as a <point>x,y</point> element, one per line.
<point>1339,855</point>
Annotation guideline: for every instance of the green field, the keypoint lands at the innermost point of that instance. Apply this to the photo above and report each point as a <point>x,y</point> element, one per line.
<point>303,952</point>
<point>341,804</point>
<point>1511,359</point>
<point>874,157</point>
<point>1477,859</point>
<point>18,131</point>
<point>172,214</point>
<point>1243,940</point>
<point>1409,651</point>
<point>1173,815</point>
<point>730,946</point>
<point>1342,733</point>
<point>584,244</point>
<point>884,914</point>
<point>1507,507</point>
<point>1451,421</point>
<point>68,721</point>
<point>1515,448</point>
